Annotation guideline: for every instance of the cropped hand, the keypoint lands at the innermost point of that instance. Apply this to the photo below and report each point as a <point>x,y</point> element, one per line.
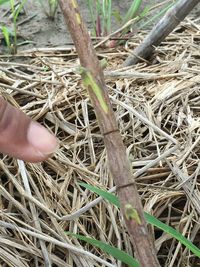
<point>23,138</point>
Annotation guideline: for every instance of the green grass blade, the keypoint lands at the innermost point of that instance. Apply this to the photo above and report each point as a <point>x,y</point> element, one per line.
<point>18,10</point>
<point>103,12</point>
<point>173,232</point>
<point>99,24</point>
<point>161,13</point>
<point>108,196</point>
<point>98,8</point>
<point>91,11</point>
<point>107,13</point>
<point>53,5</point>
<point>132,12</point>
<point>6,35</point>
<point>117,16</point>
<point>3,1</point>
<point>149,218</point>
<point>114,252</point>
<point>9,30</point>
<point>144,12</point>
<point>12,5</point>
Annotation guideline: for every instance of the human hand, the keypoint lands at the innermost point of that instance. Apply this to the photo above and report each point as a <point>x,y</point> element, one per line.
<point>22,138</point>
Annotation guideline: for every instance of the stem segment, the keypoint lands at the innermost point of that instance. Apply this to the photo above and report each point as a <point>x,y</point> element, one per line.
<point>93,79</point>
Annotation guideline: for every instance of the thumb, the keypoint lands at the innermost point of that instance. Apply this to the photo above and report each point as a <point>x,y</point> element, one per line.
<point>22,138</point>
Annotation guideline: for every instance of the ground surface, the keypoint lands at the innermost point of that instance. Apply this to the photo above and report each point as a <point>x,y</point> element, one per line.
<point>46,199</point>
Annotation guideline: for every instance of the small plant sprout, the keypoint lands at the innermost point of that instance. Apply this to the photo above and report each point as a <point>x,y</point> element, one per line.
<point>53,5</point>
<point>6,35</point>
<point>102,14</point>
<point>101,22</point>
<point>10,35</point>
<point>52,8</point>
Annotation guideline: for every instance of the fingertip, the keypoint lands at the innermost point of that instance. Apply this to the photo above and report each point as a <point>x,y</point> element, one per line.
<point>22,138</point>
<point>42,141</point>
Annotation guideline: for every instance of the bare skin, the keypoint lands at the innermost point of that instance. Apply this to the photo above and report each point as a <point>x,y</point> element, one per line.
<point>22,138</point>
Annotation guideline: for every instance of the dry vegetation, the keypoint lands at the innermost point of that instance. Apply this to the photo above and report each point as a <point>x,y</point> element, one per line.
<point>157,107</point>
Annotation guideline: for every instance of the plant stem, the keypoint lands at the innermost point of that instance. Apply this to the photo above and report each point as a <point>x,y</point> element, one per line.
<point>164,27</point>
<point>93,79</point>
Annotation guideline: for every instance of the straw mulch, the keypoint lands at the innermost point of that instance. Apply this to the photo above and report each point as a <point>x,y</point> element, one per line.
<point>157,106</point>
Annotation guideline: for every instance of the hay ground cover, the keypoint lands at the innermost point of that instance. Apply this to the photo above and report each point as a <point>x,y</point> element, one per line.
<point>157,106</point>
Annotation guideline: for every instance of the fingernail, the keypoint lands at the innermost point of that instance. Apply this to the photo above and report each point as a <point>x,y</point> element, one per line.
<point>42,141</point>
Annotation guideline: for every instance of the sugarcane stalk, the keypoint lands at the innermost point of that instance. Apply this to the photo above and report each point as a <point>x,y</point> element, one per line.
<point>120,170</point>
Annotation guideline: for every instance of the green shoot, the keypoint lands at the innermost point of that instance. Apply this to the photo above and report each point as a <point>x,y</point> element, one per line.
<point>101,15</point>
<point>133,11</point>
<point>149,218</point>
<point>15,13</point>
<point>6,35</point>
<point>53,5</point>
<point>12,46</point>
<point>52,8</point>
<point>90,7</point>
<point>3,1</point>
<point>102,22</point>
<point>117,16</point>
<point>98,28</point>
<point>106,16</point>
<point>161,13</point>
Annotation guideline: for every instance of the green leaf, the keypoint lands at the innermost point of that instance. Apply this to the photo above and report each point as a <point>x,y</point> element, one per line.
<point>108,196</point>
<point>18,10</point>
<point>3,1</point>
<point>173,232</point>
<point>12,5</point>
<point>133,10</point>
<point>161,13</point>
<point>91,10</point>
<point>149,218</point>
<point>117,16</point>
<point>115,252</point>
<point>106,15</point>
<point>145,12</point>
<point>53,5</point>
<point>9,30</point>
<point>6,35</point>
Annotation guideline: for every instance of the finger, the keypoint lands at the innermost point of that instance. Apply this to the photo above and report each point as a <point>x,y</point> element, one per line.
<point>22,138</point>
